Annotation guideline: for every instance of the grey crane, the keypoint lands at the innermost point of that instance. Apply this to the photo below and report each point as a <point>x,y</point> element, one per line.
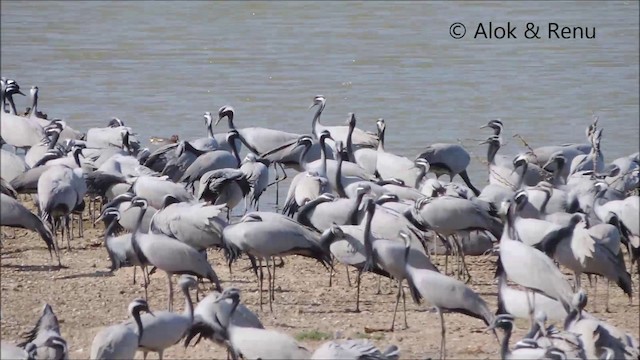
<point>326,210</point>
<point>447,215</point>
<point>515,302</point>
<point>9,88</point>
<point>365,157</point>
<point>257,174</point>
<point>60,190</point>
<point>195,224</point>
<point>256,139</point>
<point>263,235</point>
<point>212,160</point>
<point>448,159</point>
<point>359,137</point>
<point>43,119</point>
<point>14,214</point>
<point>175,166</point>
<point>388,255</point>
<point>27,182</point>
<point>223,187</point>
<point>120,341</point>
<point>502,168</point>
<point>154,189</point>
<point>163,329</point>
<point>214,310</point>
<point>327,167</point>
<point>119,248</point>
<point>524,351</point>
<point>255,343</point>
<point>354,350</point>
<point>209,142</point>
<point>574,247</point>
<point>597,334</point>
<point>168,254</point>
<point>11,165</point>
<point>45,335</point>
<point>529,267</point>
<point>158,159</point>
<point>390,165</point>
<point>308,184</point>
<point>37,151</point>
<point>110,136</point>
<point>584,162</point>
<point>128,214</point>
<point>347,244</point>
<point>446,294</point>
<point>565,342</point>
<point>19,131</point>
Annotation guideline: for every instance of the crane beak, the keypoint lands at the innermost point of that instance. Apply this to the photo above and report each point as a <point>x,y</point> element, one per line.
<point>21,93</point>
<point>311,106</point>
<point>484,126</point>
<point>98,219</point>
<point>484,142</point>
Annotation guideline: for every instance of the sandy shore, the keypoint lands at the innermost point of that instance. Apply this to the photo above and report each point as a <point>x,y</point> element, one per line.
<point>86,297</point>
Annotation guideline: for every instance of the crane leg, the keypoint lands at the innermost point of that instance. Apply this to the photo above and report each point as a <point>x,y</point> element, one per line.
<point>379,291</point>
<point>358,291</point>
<point>404,305</point>
<point>606,307</point>
<point>170,300</point>
<point>443,342</point>
<point>330,276</point>
<point>269,288</point>
<point>395,309</point>
<point>346,269</point>
<point>67,223</point>
<point>273,280</point>
<point>260,281</point>
<point>277,181</point>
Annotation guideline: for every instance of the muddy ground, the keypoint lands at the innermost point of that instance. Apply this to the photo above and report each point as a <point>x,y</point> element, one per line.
<point>86,297</point>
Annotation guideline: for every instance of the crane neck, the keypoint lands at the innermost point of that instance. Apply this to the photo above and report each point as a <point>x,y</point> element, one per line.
<point>492,150</point>
<point>381,139</point>
<point>522,172</point>
<point>134,237</point>
<point>339,184</point>
<point>303,156</point>
<point>210,129</point>
<point>349,147</point>
<point>230,120</point>
<point>33,112</point>
<point>557,175</point>
<point>315,123</point>
<point>353,212</point>
<point>504,348</point>
<point>53,140</point>
<point>188,305</point>
<point>543,206</point>
<point>12,108</point>
<point>234,150</point>
<point>136,316</point>
<point>323,157</point>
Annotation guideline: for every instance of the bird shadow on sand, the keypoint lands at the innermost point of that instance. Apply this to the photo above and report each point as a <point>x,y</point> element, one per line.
<point>87,275</point>
<point>35,267</point>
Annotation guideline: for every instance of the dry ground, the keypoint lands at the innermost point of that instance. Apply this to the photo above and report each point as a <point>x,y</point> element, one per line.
<point>86,297</point>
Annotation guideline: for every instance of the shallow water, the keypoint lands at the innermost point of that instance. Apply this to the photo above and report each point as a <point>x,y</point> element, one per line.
<point>160,65</point>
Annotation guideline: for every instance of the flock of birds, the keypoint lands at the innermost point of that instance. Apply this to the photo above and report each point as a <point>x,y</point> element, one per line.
<point>352,203</point>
